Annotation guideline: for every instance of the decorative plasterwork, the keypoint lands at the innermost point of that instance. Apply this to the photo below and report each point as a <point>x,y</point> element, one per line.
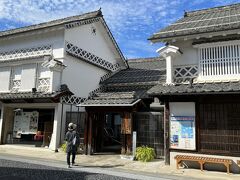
<point>82,22</point>
<point>90,21</point>
<point>185,73</point>
<point>43,84</point>
<point>90,58</point>
<point>15,85</point>
<point>92,93</point>
<point>53,65</point>
<point>26,53</point>
<point>106,76</point>
<point>73,100</point>
<point>168,51</point>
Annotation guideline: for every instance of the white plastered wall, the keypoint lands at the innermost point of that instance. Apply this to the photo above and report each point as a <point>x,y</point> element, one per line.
<point>98,44</point>
<point>81,77</point>
<point>189,54</point>
<point>54,38</point>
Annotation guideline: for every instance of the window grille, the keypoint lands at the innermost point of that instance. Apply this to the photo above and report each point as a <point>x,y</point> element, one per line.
<point>16,78</point>
<point>220,60</point>
<point>43,80</point>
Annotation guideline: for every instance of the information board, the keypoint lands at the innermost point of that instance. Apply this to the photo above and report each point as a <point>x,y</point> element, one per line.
<point>25,123</point>
<point>182,132</point>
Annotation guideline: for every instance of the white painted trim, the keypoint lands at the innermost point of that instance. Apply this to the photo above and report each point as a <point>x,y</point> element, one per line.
<point>168,51</point>
<point>217,44</point>
<point>107,105</point>
<point>24,53</point>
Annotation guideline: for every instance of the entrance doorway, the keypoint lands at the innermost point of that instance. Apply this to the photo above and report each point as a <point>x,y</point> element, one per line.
<point>30,127</point>
<point>110,137</point>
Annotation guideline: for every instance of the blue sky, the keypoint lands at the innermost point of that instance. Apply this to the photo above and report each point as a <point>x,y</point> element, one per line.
<point>130,21</point>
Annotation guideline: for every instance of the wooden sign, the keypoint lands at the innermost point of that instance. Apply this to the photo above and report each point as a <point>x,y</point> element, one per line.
<point>126,126</point>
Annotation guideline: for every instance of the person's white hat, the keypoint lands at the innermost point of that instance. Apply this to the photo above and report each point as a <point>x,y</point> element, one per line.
<point>71,126</point>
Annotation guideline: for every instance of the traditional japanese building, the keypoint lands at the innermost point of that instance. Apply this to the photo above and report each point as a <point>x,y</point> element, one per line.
<point>122,107</point>
<point>202,89</point>
<point>46,70</point>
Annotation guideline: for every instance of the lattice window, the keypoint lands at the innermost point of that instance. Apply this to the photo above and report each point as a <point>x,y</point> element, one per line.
<point>185,73</point>
<point>26,53</point>
<point>74,100</point>
<point>15,85</point>
<point>89,57</point>
<point>43,84</point>
<point>16,76</point>
<point>220,60</point>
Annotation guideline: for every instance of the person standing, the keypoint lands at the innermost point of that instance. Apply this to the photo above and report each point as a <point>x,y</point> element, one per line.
<point>73,141</point>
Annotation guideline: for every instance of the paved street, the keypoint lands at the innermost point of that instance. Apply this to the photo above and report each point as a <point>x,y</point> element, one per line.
<point>11,170</point>
<point>18,168</point>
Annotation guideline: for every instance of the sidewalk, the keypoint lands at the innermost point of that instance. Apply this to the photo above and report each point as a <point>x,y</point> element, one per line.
<point>114,161</point>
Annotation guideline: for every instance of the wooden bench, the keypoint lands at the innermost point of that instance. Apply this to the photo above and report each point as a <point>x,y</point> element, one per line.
<point>202,160</point>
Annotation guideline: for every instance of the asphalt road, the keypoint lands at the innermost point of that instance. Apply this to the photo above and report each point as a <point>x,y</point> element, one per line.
<point>15,170</point>
<point>13,167</point>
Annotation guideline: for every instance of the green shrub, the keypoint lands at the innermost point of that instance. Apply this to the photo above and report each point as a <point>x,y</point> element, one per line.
<point>145,154</point>
<point>64,146</point>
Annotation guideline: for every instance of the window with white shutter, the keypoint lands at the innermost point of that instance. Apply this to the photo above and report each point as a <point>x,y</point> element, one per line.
<point>28,77</point>
<point>220,61</point>
<point>43,80</point>
<point>5,73</point>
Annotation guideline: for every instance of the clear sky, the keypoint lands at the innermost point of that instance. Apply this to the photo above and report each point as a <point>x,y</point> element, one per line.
<point>131,21</point>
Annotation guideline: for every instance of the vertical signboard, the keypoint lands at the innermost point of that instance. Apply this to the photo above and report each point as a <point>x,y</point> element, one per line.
<point>182,126</point>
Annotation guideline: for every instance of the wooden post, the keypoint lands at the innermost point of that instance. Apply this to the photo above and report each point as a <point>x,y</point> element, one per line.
<point>126,130</point>
<point>89,144</point>
<point>166,134</point>
<point>86,132</point>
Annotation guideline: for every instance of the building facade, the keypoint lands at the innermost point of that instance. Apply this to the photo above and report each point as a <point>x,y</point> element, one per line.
<point>49,68</point>
<point>201,92</point>
<point>122,109</point>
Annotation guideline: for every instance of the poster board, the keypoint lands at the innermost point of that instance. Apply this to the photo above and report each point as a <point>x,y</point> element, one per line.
<point>182,132</point>
<point>182,126</point>
<point>25,123</point>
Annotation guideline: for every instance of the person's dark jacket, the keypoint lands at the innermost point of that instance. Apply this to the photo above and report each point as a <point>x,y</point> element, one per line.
<point>69,138</point>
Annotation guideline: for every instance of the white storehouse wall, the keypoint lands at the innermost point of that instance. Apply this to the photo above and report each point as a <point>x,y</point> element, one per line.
<point>96,43</point>
<point>81,77</point>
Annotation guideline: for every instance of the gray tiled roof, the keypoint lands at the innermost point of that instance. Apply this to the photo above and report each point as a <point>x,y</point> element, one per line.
<point>136,76</point>
<point>154,63</point>
<point>29,95</point>
<point>130,85</point>
<point>57,22</point>
<point>196,88</point>
<point>207,20</point>
<point>114,98</point>
<point>145,71</point>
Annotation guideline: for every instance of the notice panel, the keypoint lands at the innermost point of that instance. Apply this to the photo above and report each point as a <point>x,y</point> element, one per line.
<point>182,132</point>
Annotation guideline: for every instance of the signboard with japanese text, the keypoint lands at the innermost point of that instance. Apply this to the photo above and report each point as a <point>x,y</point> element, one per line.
<point>25,123</point>
<point>182,125</point>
